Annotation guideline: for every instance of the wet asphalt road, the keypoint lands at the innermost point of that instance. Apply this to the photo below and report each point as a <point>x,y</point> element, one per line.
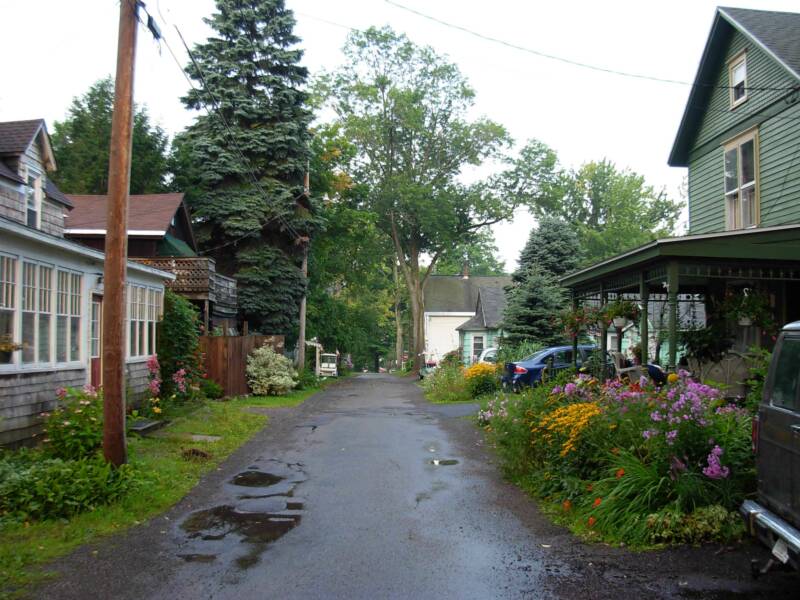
<point>342,497</point>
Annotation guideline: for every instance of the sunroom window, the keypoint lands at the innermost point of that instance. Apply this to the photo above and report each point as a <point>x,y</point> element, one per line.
<point>737,75</point>
<point>33,199</point>
<point>741,183</point>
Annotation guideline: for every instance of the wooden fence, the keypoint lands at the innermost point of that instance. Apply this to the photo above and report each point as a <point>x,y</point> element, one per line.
<point>226,358</point>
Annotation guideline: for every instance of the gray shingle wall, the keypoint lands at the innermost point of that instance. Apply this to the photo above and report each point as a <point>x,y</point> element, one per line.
<point>24,396</point>
<point>11,204</point>
<point>52,218</point>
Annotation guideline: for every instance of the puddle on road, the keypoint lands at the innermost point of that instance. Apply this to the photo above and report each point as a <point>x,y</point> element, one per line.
<point>445,462</point>
<point>256,479</point>
<point>257,529</point>
<point>255,519</point>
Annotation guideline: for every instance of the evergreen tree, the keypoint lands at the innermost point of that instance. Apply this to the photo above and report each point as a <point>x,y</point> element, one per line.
<point>553,245</point>
<point>81,142</point>
<point>532,309</point>
<point>251,68</point>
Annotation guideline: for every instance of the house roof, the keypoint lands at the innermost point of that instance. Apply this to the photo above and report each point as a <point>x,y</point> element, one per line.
<point>773,32</point>
<point>149,215</point>
<point>453,293</point>
<point>779,243</point>
<point>8,173</point>
<point>16,137</point>
<point>488,311</point>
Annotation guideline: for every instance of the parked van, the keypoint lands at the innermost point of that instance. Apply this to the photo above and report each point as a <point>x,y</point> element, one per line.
<point>327,366</point>
<point>775,517</point>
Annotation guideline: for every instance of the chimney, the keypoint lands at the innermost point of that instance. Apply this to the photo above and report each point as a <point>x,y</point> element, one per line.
<point>465,270</point>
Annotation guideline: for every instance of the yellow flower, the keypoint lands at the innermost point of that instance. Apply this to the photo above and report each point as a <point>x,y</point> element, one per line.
<point>480,370</point>
<point>673,377</point>
<point>157,410</point>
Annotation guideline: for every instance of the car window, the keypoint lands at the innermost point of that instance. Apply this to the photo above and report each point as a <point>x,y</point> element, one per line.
<point>562,357</point>
<point>785,374</point>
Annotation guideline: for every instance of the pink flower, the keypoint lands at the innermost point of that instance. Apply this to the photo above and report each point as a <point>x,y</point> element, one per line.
<point>61,393</point>
<point>155,387</point>
<point>152,365</point>
<point>715,469</point>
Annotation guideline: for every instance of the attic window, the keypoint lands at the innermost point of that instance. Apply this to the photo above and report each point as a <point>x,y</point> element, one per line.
<point>737,75</point>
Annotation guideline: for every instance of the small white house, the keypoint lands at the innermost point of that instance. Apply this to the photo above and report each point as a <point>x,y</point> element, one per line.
<point>450,302</point>
<point>51,292</point>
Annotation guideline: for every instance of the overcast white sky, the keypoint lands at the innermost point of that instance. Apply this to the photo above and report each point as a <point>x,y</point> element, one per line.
<point>57,49</point>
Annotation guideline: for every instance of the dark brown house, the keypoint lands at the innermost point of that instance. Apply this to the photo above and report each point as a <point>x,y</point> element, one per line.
<point>160,235</point>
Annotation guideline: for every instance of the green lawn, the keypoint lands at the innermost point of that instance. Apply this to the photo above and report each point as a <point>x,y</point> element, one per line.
<point>166,478</point>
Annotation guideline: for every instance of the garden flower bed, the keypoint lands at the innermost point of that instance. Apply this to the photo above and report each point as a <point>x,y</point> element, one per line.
<point>628,462</point>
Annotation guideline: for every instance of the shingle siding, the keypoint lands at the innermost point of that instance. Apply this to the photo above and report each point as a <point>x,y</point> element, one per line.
<point>52,218</point>
<point>779,139</point>
<point>11,203</point>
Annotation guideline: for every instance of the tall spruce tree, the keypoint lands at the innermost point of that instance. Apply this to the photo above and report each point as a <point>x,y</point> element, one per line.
<point>243,180</point>
<point>535,297</point>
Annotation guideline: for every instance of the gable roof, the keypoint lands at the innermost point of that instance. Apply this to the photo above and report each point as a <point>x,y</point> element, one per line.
<point>776,33</point>
<point>149,215</point>
<point>488,311</point>
<point>453,293</point>
<point>8,173</point>
<point>16,137</point>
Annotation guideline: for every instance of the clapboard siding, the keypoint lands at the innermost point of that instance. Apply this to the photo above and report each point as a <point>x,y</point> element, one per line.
<point>779,143</point>
<point>52,218</point>
<point>762,72</point>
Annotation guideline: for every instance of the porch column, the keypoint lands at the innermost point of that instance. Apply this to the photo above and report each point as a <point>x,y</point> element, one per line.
<point>575,335</point>
<point>644,333</point>
<point>672,299</point>
<point>603,335</point>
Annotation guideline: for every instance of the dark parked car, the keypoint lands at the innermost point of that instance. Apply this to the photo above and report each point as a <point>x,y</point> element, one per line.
<point>529,370</point>
<point>775,517</point>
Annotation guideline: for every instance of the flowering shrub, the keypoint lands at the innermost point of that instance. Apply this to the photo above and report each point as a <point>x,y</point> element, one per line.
<point>447,384</point>
<point>74,429</point>
<point>270,373</point>
<point>633,462</point>
<point>482,378</point>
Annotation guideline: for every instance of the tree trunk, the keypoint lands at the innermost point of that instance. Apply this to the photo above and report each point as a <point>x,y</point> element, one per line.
<point>301,338</point>
<point>398,320</point>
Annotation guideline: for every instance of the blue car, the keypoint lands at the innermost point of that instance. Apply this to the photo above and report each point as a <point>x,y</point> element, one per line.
<point>543,365</point>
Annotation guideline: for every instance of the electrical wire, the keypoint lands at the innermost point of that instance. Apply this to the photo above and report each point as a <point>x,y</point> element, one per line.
<point>569,61</point>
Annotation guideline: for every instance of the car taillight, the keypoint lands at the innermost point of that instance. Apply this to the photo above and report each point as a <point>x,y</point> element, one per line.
<point>520,370</point>
<point>754,434</point>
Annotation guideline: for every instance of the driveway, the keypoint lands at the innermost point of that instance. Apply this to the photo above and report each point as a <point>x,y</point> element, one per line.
<point>368,491</point>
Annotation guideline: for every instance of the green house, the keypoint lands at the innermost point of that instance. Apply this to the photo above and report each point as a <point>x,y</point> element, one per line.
<point>740,139</point>
<point>482,330</point>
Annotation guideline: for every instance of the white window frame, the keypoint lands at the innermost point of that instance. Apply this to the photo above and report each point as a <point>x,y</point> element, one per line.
<point>734,214</point>
<point>733,64</point>
<point>476,355</point>
<point>68,305</point>
<point>144,308</point>
<point>41,304</point>
<point>34,192</point>
<point>9,301</point>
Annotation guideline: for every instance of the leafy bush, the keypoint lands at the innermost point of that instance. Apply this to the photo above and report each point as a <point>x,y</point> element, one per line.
<point>628,461</point>
<point>211,389</point>
<point>270,373</point>
<point>34,487</point>
<point>306,379</point>
<point>447,384</point>
<point>74,429</point>
<point>179,347</point>
<point>451,359</point>
<point>759,366</point>
<point>482,379</point>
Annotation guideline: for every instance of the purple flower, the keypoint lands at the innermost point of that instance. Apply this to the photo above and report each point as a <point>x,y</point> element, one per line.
<point>570,388</point>
<point>671,435</point>
<point>715,469</point>
<point>648,433</point>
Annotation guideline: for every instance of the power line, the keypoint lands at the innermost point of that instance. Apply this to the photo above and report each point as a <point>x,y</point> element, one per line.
<point>569,61</point>
<point>216,105</point>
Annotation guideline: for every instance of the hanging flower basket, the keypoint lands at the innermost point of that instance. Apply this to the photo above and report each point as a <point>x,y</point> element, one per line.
<point>578,320</point>
<point>620,321</point>
<point>620,312</point>
<point>745,321</point>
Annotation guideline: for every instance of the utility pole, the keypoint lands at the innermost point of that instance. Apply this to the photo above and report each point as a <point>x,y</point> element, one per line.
<point>119,171</point>
<point>301,337</point>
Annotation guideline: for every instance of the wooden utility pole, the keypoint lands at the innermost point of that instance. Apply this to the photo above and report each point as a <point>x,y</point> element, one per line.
<point>301,337</point>
<point>119,171</point>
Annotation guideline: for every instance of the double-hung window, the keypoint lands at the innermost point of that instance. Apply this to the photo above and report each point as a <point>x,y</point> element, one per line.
<point>737,79</point>
<point>68,317</point>
<point>144,312</point>
<point>36,312</point>
<point>8,294</point>
<point>741,182</point>
<point>33,199</point>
